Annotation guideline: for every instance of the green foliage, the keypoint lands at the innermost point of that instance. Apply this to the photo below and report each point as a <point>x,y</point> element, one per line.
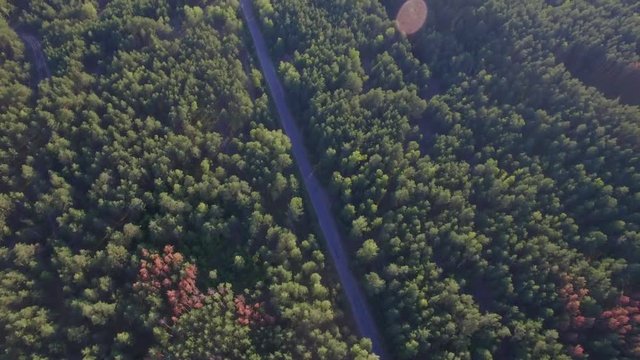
<point>155,129</point>
<point>475,161</point>
<point>471,166</point>
<point>368,252</point>
<point>212,331</point>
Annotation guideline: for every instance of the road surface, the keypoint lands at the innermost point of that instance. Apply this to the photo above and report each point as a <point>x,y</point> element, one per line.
<point>319,197</point>
<point>37,56</point>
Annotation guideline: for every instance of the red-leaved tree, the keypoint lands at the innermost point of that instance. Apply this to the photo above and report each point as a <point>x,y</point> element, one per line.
<point>249,314</point>
<point>169,276</point>
<point>573,293</point>
<point>624,319</point>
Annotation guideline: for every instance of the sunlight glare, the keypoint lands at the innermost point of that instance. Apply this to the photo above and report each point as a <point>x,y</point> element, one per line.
<point>412,16</point>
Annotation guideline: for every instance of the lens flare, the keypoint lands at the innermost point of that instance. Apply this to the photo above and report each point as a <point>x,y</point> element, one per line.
<point>412,16</point>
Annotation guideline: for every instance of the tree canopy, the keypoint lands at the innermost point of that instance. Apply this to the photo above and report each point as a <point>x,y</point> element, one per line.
<point>140,193</point>
<point>484,171</point>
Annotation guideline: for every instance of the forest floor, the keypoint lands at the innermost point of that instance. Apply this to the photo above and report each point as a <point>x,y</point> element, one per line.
<point>317,194</point>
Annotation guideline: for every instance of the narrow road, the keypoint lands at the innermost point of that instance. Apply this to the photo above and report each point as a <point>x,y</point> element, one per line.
<point>319,197</point>
<point>37,56</point>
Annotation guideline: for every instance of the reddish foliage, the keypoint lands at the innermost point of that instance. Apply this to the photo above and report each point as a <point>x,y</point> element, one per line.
<point>624,319</point>
<point>249,314</point>
<point>573,293</point>
<point>577,351</point>
<point>167,274</point>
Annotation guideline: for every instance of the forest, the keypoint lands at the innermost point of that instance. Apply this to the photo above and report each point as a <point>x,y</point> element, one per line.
<point>484,172</point>
<point>149,207</point>
<point>490,195</point>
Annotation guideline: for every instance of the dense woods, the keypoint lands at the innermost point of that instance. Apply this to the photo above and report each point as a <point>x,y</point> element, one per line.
<point>490,195</point>
<point>148,203</point>
<point>484,171</point>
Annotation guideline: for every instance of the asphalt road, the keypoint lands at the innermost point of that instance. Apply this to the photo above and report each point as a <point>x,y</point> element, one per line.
<point>319,197</point>
<point>37,56</point>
